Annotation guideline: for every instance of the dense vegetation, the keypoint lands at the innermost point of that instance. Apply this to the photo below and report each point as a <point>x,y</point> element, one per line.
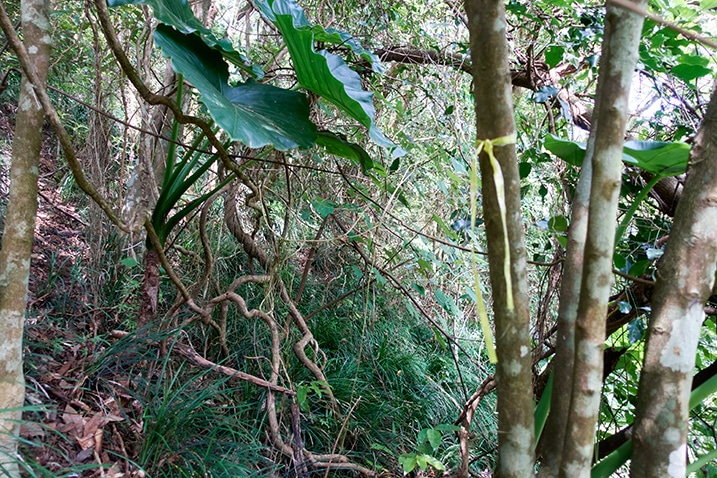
<point>261,249</point>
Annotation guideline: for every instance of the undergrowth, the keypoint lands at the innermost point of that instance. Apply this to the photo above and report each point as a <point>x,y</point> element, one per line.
<point>390,375</point>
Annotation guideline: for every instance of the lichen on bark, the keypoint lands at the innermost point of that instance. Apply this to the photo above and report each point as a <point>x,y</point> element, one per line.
<point>18,234</point>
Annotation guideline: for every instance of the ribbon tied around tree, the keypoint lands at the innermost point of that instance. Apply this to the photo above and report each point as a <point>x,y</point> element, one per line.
<point>487,145</point>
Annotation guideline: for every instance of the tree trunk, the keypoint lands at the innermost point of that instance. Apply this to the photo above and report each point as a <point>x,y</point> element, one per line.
<point>150,288</point>
<point>551,443</point>
<point>19,232</point>
<point>494,120</point>
<point>618,59</point>
<point>685,278</point>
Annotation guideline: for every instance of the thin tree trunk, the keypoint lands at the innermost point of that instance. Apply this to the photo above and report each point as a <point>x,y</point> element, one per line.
<point>619,56</point>
<point>551,443</point>
<point>19,232</point>
<point>685,278</point>
<point>494,120</point>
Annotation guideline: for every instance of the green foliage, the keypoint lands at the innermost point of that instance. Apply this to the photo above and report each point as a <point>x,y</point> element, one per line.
<point>302,391</point>
<point>258,114</point>
<point>178,14</point>
<point>322,72</point>
<point>428,442</point>
<point>655,157</point>
<point>338,146</point>
<point>253,113</point>
<point>543,408</point>
<point>396,377</point>
<point>179,177</point>
<point>658,158</point>
<point>184,435</point>
<point>608,465</point>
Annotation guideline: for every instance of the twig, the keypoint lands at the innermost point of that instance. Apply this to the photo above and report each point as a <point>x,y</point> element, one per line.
<point>421,233</point>
<point>690,35</point>
<point>300,469</point>
<point>465,419</point>
<point>633,278</point>
<point>407,294</point>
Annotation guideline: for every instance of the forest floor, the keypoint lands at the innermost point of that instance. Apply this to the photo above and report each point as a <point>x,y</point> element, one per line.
<point>71,427</point>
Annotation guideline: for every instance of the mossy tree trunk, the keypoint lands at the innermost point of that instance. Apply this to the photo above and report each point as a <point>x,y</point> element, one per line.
<point>19,232</point>
<point>685,278</point>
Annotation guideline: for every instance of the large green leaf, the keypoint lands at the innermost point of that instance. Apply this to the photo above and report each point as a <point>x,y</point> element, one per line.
<point>322,72</point>
<point>339,146</point>
<point>571,152</point>
<point>253,113</point>
<point>659,158</point>
<point>178,14</point>
<point>341,38</point>
<point>663,159</point>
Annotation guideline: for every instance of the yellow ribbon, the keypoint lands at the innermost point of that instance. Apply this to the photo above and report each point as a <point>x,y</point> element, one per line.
<point>488,145</point>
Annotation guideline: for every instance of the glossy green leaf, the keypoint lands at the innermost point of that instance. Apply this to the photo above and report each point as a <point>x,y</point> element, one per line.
<point>343,148</point>
<point>704,391</point>
<point>569,151</point>
<point>345,39</point>
<point>177,13</point>
<point>703,461</point>
<point>429,460</point>
<point>624,307</point>
<point>525,169</point>
<point>693,60</point>
<point>664,159</point>
<point>129,262</point>
<point>322,72</point>
<point>554,55</point>
<point>655,157</point>
<point>609,465</point>
<point>558,224</point>
<point>253,113</point>
<point>407,461</point>
<point>542,409</point>
<point>324,208</point>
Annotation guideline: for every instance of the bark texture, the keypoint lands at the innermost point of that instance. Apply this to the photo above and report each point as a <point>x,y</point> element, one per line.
<point>19,232</point>
<point>619,56</point>
<point>685,278</point>
<point>551,446</point>
<point>150,288</point>
<point>494,119</point>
